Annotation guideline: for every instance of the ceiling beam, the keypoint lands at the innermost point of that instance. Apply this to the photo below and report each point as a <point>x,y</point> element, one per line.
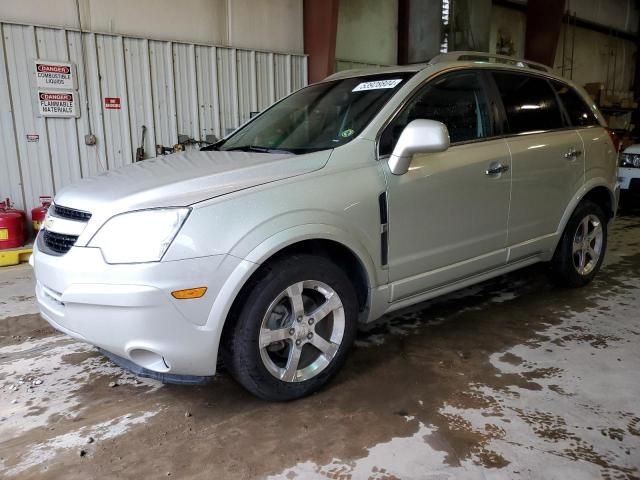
<point>579,22</point>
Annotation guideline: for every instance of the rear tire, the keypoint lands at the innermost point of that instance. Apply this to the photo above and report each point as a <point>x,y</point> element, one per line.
<point>582,248</point>
<point>292,328</point>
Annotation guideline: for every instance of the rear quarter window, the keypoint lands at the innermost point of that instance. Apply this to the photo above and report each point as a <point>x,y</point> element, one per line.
<point>530,103</point>
<point>579,112</point>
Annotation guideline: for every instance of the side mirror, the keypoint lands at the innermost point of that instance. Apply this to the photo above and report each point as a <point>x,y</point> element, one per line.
<point>420,136</point>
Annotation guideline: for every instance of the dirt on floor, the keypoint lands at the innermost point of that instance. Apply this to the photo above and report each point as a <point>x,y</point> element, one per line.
<point>513,378</point>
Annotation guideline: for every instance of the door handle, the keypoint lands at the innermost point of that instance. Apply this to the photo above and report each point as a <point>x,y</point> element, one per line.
<point>572,153</point>
<point>496,169</point>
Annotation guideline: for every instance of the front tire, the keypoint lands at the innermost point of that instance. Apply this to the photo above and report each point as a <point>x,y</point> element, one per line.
<point>292,328</point>
<point>582,247</point>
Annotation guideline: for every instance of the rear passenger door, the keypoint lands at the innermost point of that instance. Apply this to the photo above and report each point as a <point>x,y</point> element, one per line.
<point>547,161</point>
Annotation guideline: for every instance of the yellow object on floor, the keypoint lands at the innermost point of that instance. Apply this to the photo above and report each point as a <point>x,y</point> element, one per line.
<point>14,256</point>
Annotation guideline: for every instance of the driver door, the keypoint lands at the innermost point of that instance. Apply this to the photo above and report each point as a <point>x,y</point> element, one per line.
<point>448,214</point>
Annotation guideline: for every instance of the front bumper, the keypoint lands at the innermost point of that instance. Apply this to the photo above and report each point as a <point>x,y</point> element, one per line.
<point>628,178</point>
<point>128,310</point>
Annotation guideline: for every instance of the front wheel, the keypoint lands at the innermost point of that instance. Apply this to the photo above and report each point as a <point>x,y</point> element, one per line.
<point>293,329</point>
<point>582,247</point>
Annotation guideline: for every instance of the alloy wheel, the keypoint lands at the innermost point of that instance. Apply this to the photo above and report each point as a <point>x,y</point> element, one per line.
<point>302,331</point>
<point>587,245</point>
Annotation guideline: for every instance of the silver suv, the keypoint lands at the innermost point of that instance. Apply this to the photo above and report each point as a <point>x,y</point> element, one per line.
<point>351,198</point>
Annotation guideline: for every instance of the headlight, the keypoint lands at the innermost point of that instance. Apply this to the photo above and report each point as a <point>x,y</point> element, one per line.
<point>630,160</point>
<point>138,237</point>
<point>625,160</point>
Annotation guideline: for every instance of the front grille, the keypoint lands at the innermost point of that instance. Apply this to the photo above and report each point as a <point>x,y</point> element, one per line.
<point>71,213</point>
<point>58,242</point>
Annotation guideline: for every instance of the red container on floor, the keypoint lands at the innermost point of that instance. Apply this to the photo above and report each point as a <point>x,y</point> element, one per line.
<point>38,214</point>
<point>11,227</point>
<point>9,208</point>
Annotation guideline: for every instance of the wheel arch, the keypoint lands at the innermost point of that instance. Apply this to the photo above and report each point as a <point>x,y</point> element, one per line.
<point>338,253</point>
<point>597,191</point>
<point>324,240</point>
<point>604,197</point>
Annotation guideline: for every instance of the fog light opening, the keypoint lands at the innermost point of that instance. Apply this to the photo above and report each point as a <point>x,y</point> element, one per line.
<point>149,360</point>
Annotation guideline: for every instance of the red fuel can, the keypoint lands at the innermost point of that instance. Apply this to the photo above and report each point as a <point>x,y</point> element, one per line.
<point>11,227</point>
<point>9,208</point>
<point>38,214</point>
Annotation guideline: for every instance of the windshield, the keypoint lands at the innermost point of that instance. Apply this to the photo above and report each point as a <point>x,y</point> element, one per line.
<point>318,117</point>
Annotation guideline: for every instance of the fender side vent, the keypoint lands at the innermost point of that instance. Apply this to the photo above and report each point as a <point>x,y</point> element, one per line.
<point>384,228</point>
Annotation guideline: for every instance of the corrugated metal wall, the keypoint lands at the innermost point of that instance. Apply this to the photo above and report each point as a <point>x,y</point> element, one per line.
<point>172,88</point>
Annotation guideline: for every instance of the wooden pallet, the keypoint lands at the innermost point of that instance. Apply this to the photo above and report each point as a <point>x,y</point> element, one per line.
<point>14,256</point>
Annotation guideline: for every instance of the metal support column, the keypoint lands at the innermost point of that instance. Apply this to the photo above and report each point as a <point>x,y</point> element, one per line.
<point>544,19</point>
<point>320,29</point>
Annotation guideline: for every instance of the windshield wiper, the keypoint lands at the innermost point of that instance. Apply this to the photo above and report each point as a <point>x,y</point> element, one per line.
<point>251,148</point>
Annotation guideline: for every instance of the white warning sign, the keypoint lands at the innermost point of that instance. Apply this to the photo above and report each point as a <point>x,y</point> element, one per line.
<point>57,104</point>
<point>55,75</point>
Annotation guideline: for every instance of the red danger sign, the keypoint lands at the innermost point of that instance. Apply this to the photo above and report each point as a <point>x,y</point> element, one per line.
<point>58,97</point>
<point>42,67</point>
<point>112,103</point>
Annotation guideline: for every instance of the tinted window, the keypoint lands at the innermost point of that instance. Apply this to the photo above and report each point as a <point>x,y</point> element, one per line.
<point>457,100</point>
<point>579,112</point>
<point>529,102</point>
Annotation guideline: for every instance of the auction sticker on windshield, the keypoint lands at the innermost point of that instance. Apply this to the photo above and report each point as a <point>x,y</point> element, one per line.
<point>377,85</point>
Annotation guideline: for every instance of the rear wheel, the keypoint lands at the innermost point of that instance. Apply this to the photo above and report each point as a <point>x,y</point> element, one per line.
<point>294,328</point>
<point>582,247</point>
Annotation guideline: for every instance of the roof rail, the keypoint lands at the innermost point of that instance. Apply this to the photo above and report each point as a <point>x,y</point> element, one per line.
<point>488,58</point>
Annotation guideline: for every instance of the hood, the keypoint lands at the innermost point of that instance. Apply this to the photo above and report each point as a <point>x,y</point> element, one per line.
<point>184,179</point>
<point>633,149</point>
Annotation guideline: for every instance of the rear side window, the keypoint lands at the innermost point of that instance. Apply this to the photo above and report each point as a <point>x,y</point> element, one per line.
<point>529,102</point>
<point>458,100</point>
<point>579,112</point>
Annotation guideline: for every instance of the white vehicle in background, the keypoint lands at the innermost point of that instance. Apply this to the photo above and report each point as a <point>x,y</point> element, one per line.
<point>629,173</point>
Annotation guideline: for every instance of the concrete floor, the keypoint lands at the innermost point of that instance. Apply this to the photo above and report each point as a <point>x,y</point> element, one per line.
<point>510,379</point>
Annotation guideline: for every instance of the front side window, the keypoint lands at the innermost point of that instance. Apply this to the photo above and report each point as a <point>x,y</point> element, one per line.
<point>319,117</point>
<point>458,100</point>
<point>579,112</point>
<point>529,102</point>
